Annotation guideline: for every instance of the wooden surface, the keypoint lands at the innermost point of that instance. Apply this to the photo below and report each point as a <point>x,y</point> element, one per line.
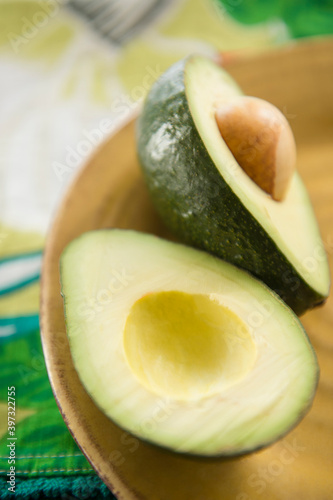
<point>110,192</point>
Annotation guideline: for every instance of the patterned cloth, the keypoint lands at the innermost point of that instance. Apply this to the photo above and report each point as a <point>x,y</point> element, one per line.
<point>63,90</point>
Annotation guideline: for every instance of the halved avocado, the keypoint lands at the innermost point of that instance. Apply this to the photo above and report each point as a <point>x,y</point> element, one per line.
<point>181,348</point>
<point>208,201</point>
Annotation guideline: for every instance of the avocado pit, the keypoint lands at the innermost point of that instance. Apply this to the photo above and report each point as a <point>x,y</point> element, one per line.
<point>261,140</point>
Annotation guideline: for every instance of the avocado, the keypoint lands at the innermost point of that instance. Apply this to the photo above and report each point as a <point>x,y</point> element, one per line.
<point>181,348</point>
<point>208,201</point>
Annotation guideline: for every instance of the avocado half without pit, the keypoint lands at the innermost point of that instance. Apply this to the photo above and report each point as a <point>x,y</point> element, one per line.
<point>183,349</point>
<point>220,168</point>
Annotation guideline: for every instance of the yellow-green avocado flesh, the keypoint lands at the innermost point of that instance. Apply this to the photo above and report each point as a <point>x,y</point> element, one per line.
<point>208,201</point>
<point>181,348</point>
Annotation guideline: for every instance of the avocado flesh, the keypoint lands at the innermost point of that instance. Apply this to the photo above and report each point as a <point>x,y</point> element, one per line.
<point>208,201</point>
<point>189,358</point>
<point>183,349</point>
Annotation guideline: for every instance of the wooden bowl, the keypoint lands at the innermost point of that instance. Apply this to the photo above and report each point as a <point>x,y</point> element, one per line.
<point>110,192</point>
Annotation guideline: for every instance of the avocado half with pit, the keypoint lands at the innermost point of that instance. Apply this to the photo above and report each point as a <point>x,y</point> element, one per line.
<point>207,200</point>
<point>183,349</point>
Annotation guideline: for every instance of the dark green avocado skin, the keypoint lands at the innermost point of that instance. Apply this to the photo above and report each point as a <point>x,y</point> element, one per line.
<point>196,202</point>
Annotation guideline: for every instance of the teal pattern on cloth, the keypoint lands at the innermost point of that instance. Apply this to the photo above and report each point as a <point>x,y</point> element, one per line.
<point>64,488</point>
<point>20,270</point>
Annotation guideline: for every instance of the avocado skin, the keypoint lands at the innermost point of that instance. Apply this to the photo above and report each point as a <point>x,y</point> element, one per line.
<point>194,200</point>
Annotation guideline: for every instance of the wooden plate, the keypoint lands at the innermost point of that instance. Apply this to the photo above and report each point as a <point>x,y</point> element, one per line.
<point>109,192</point>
